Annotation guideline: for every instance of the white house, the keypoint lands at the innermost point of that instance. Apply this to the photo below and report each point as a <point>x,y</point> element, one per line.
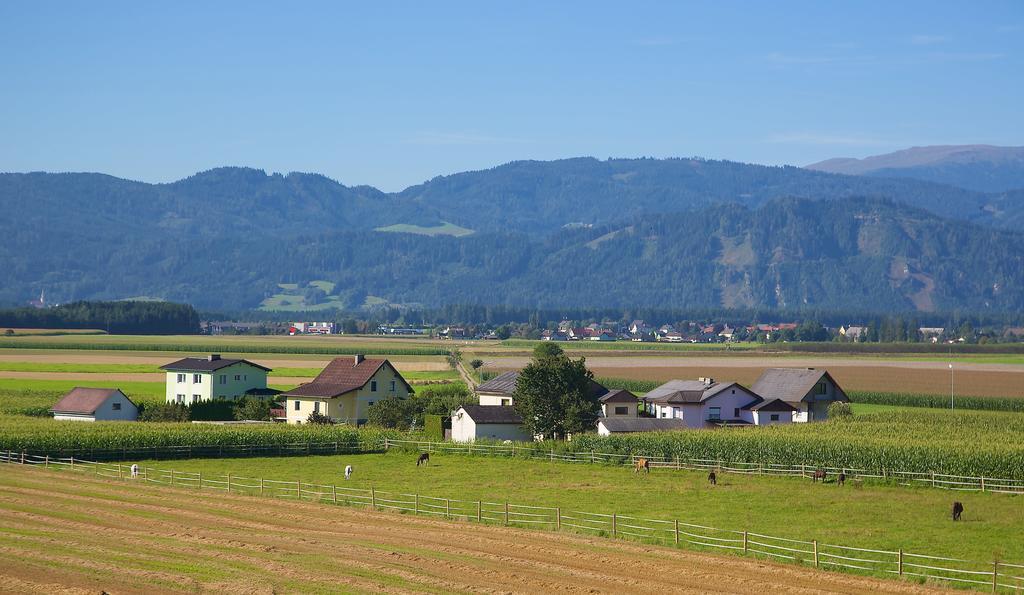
<point>619,403</point>
<point>195,379</point>
<point>95,404</point>
<point>607,426</point>
<point>808,390</point>
<point>345,389</point>
<point>471,422</point>
<point>705,403</point>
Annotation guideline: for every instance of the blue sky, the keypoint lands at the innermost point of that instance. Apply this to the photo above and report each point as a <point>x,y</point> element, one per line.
<point>391,94</point>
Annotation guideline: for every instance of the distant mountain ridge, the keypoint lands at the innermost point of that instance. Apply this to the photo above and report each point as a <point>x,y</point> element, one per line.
<point>984,168</point>
<point>580,232</point>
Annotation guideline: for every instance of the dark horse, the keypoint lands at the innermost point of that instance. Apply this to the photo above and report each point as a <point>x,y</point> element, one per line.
<point>819,474</point>
<point>958,509</point>
<point>424,459</point>
<point>712,478</point>
<point>841,479</point>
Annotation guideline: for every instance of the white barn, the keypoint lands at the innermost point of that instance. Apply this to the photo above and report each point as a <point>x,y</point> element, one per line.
<point>470,422</point>
<point>95,404</point>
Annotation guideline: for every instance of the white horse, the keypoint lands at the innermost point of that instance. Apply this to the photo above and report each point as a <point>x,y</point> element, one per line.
<point>348,471</point>
<point>135,470</point>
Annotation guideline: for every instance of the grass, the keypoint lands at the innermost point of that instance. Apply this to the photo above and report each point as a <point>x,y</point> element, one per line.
<point>445,229</point>
<point>871,515</point>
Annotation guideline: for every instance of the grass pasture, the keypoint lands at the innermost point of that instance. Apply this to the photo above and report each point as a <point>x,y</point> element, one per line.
<point>868,515</point>
<point>444,229</point>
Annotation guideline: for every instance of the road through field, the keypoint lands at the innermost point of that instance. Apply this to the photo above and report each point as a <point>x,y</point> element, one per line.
<point>65,532</point>
<point>870,374</point>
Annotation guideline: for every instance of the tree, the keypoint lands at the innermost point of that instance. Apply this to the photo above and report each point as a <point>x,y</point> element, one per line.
<point>254,410</point>
<point>392,413</point>
<point>839,410</point>
<point>553,394</point>
<point>503,332</point>
<point>317,418</point>
<point>476,364</point>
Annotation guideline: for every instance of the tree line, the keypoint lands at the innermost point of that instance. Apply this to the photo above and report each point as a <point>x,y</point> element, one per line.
<point>123,317</point>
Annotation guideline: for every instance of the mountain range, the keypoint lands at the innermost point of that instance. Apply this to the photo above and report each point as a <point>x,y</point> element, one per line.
<point>576,232</point>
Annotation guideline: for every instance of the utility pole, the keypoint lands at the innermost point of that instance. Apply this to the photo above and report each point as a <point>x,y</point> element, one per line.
<point>950,386</point>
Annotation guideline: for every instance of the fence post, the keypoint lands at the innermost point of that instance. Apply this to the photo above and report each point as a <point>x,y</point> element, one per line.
<point>120,471</point>
<point>373,498</point>
<point>899,562</point>
<point>983,483</point>
<point>676,526</point>
<point>334,493</point>
<point>201,481</point>
<point>479,511</point>
<point>815,553</point>
<point>803,470</point>
<point>744,542</point>
<point>46,461</point>
<point>506,512</point>
<point>447,508</point>
<point>614,529</point>
<point>298,489</point>
<point>417,506</point>
<point>933,479</point>
<point>229,483</point>
<point>261,486</point>
<point>995,575</point>
<point>73,464</point>
<point>172,477</point>
<point>558,518</point>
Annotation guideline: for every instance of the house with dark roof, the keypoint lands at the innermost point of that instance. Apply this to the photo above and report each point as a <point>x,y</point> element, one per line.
<point>809,390</point>
<point>470,422</point>
<point>704,403</point>
<point>345,390</point>
<point>194,379</point>
<point>619,403</point>
<point>627,425</point>
<point>499,390</point>
<point>95,404</point>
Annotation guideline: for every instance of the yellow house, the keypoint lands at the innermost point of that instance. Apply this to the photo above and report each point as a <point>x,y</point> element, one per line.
<point>345,389</point>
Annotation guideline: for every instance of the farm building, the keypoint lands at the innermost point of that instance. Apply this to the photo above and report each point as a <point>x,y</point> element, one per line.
<point>95,404</point>
<point>196,379</point>
<point>619,403</point>
<point>626,425</point>
<point>345,389</point>
<point>471,422</point>
<point>705,403</point>
<point>808,390</point>
<point>499,390</point>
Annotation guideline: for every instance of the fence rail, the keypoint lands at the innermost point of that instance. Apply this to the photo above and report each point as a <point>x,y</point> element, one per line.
<point>906,478</point>
<point>995,575</point>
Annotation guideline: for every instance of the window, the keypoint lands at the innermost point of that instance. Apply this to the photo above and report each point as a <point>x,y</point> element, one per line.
<point>714,413</point>
<point>116,406</point>
<point>664,413</point>
<point>195,398</point>
<point>622,411</point>
<point>369,403</point>
<point>820,389</point>
<point>297,406</point>
<point>238,377</point>
<point>775,417</point>
<point>373,386</point>
<point>223,378</point>
<point>180,399</point>
<point>506,402</point>
<point>181,378</point>
<point>392,386</point>
<point>316,406</point>
<point>197,379</point>
<point>736,412</point>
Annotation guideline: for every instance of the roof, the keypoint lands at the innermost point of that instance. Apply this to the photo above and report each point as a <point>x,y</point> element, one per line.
<point>492,414</point>
<point>85,401</point>
<point>343,374</point>
<point>206,364</point>
<point>505,385</point>
<point>791,384</point>
<point>640,424</point>
<point>771,405</point>
<point>619,395</point>
<point>263,392</point>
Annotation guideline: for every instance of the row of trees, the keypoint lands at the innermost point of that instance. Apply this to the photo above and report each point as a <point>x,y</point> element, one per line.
<point>122,317</point>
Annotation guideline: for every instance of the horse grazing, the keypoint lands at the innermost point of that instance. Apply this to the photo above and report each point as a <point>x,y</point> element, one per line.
<point>958,509</point>
<point>642,464</point>
<point>348,471</point>
<point>841,479</point>
<point>712,478</point>
<point>819,474</point>
<point>424,459</point>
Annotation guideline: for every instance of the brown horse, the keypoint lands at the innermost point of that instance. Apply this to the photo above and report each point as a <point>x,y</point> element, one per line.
<point>841,478</point>
<point>818,474</point>
<point>712,478</point>
<point>958,509</point>
<point>424,459</point>
<point>642,464</point>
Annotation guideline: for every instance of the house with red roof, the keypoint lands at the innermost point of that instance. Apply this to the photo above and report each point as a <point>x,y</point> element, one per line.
<point>95,404</point>
<point>345,389</point>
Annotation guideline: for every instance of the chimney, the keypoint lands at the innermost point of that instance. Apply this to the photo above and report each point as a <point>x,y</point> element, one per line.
<point>213,357</point>
<point>707,381</point>
<point>359,357</point>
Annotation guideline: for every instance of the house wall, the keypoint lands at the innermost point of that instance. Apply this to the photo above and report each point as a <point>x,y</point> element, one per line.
<point>463,428</point>
<point>351,407</point>
<point>608,409</point>
<point>495,399</point>
<point>106,411</point>
<point>365,396</point>
<point>502,432</point>
<point>211,385</point>
<point>695,415</point>
<point>764,418</point>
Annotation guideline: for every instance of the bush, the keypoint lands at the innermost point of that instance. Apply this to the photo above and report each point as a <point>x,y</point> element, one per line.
<point>392,413</point>
<point>476,364</point>
<point>254,409</point>
<point>319,419</point>
<point>212,411</point>
<point>164,412</point>
<point>840,410</point>
<point>433,427</point>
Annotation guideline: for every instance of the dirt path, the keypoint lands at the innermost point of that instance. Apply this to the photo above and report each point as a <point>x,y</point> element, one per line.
<point>72,533</point>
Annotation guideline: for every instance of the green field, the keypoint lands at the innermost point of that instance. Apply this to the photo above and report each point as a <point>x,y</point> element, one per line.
<point>445,229</point>
<point>864,515</point>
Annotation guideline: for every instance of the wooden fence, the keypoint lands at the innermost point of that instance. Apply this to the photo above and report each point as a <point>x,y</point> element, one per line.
<point>994,576</point>
<point>906,478</point>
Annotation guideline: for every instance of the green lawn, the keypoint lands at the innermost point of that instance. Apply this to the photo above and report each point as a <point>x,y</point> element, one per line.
<point>445,229</point>
<point>872,515</point>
